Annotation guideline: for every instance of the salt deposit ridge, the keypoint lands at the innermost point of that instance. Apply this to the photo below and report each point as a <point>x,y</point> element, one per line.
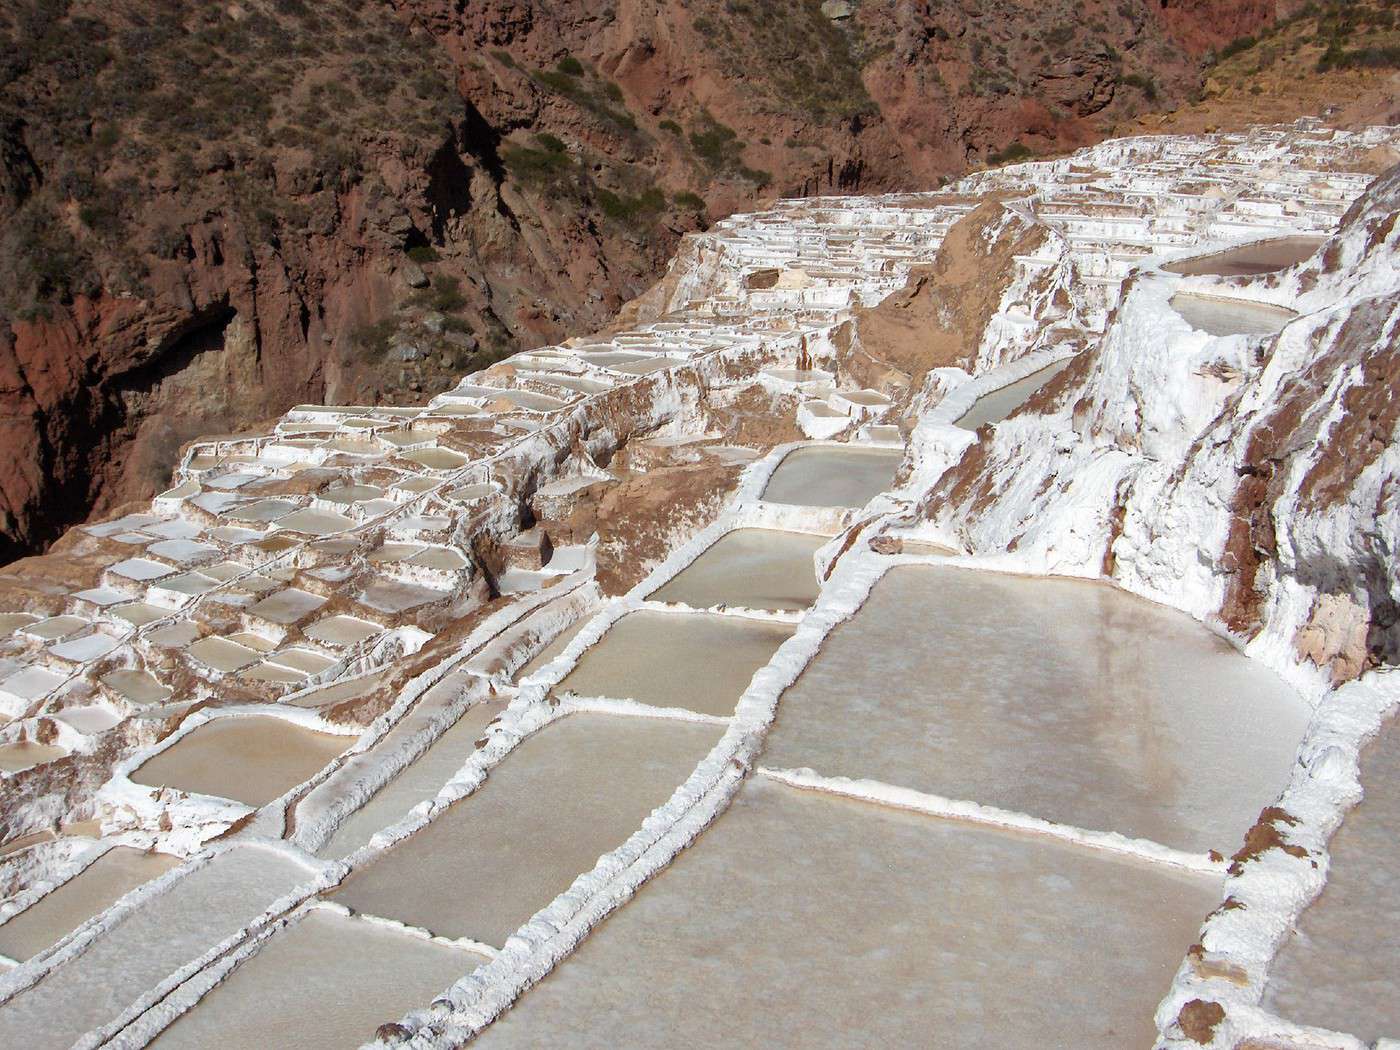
<point>1014,704</point>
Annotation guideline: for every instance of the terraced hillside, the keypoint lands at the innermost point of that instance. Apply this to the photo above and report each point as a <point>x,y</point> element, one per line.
<point>909,617</point>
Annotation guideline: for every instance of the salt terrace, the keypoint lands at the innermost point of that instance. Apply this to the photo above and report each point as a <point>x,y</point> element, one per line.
<point>342,739</point>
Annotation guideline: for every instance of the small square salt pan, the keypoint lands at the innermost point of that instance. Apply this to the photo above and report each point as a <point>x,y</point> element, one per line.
<point>174,529</point>
<point>253,641</point>
<point>224,571</point>
<point>138,614</point>
<point>55,627</point>
<point>393,596</point>
<point>141,569</point>
<point>183,551</point>
<point>139,687</point>
<point>32,683</point>
<point>389,553</point>
<point>221,654</point>
<point>90,719</point>
<point>189,584</point>
<point>443,558</point>
<point>235,534</point>
<point>262,510</point>
<point>88,647</point>
<point>287,606</point>
<point>216,502</point>
<point>342,630</point>
<point>101,596</point>
<point>315,522</point>
<point>182,491</point>
<point>175,636</point>
<point>375,507</point>
<point>427,523</point>
<point>416,485</point>
<point>437,458</point>
<point>352,493</point>
<point>306,661</point>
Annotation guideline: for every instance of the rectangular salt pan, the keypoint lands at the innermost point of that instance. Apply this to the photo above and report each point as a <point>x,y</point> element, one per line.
<point>80,898</point>
<point>824,476</point>
<point>1220,316</point>
<point>26,754</point>
<point>287,606</point>
<point>568,794</point>
<point>995,406</point>
<point>164,934</point>
<point>423,778</point>
<point>250,759</point>
<point>1064,699</point>
<point>325,982</point>
<point>1340,969</point>
<point>801,920</point>
<point>696,661</point>
<point>752,568</point>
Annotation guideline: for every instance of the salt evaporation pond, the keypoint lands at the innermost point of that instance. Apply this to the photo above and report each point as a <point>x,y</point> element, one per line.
<point>251,759</point>
<point>154,941</point>
<point>1340,969</point>
<point>1220,316</point>
<point>327,982</point>
<point>86,894</point>
<point>698,661</point>
<point>1249,260</point>
<point>995,406</point>
<point>1064,699</point>
<point>803,920</point>
<point>24,754</point>
<point>750,568</point>
<point>565,796</point>
<point>420,780</point>
<point>826,476</point>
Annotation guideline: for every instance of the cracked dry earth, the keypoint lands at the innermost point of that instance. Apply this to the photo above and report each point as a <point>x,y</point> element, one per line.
<point>636,692</point>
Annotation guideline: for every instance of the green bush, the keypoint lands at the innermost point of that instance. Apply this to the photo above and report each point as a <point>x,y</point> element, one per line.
<point>534,167</point>
<point>692,201</point>
<point>551,143</point>
<point>1146,85</point>
<point>570,66</point>
<point>760,178</point>
<point>670,126</point>
<point>631,210</point>
<point>446,294</point>
<point>576,91</point>
<point>1017,151</point>
<point>715,144</point>
<point>1335,57</point>
<point>1234,47</point>
<point>372,340</point>
<point>423,253</point>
